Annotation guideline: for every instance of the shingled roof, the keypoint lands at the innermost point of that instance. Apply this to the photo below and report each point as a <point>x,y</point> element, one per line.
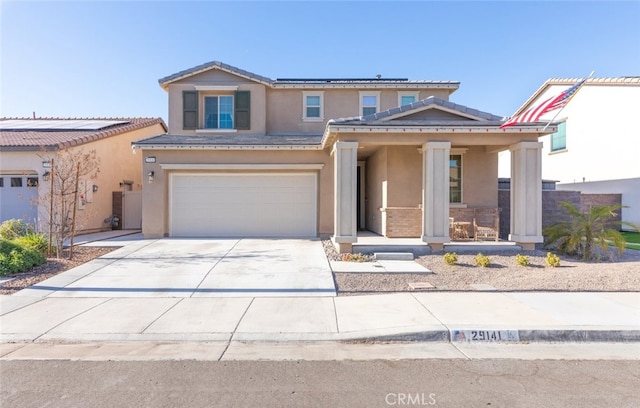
<point>26,139</point>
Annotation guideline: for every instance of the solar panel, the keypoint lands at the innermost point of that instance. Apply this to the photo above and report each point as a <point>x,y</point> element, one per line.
<point>58,124</point>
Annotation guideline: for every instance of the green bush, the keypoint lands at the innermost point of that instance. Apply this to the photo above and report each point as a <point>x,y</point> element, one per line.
<point>553,260</point>
<point>522,260</point>
<point>482,260</point>
<point>33,241</point>
<point>450,258</point>
<point>15,258</point>
<point>12,229</point>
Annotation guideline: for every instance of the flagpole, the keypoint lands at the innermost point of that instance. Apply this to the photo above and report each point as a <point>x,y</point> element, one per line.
<point>567,102</point>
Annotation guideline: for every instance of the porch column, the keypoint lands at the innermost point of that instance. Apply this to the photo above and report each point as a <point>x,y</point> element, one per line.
<point>345,161</point>
<point>526,194</point>
<point>435,194</point>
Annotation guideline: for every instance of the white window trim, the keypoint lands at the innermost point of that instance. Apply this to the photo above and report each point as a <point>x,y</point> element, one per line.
<point>415,94</point>
<point>304,106</point>
<point>369,93</point>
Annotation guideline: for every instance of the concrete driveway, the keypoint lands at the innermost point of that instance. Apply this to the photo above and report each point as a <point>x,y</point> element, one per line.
<point>199,268</point>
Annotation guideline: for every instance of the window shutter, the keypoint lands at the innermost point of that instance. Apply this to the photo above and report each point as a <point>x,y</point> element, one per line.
<point>242,110</point>
<point>189,109</point>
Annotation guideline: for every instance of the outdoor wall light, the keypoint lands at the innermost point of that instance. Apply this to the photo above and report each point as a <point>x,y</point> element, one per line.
<point>151,174</point>
<point>46,175</point>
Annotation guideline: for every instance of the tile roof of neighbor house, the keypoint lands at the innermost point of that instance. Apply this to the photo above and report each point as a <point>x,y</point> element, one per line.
<point>297,82</point>
<point>52,139</point>
<point>609,81</point>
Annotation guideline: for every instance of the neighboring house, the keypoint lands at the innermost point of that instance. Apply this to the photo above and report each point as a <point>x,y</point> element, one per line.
<point>246,155</point>
<point>596,147</point>
<point>26,145</point>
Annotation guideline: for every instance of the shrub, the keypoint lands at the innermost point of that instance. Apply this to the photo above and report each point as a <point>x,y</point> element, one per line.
<point>553,260</point>
<point>15,258</point>
<point>450,258</point>
<point>12,229</point>
<point>482,260</point>
<point>358,257</point>
<point>33,241</point>
<point>522,260</point>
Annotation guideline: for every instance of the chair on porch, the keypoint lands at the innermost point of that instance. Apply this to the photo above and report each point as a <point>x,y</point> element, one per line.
<point>484,231</point>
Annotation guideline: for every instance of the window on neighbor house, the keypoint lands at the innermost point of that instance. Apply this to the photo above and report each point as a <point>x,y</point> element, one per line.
<point>369,103</point>
<point>1,181</point>
<point>313,106</point>
<point>16,181</point>
<point>455,178</point>
<point>559,138</point>
<point>32,182</point>
<point>216,111</point>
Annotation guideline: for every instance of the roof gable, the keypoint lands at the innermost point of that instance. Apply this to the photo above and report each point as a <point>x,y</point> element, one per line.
<point>216,65</point>
<point>431,108</point>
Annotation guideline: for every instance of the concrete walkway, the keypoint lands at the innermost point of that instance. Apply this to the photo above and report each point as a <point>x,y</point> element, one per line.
<point>110,300</point>
<point>433,316</point>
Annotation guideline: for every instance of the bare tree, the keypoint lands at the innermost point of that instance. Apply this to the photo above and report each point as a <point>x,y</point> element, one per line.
<point>61,201</point>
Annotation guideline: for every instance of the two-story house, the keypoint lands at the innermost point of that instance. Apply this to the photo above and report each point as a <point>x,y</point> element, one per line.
<point>597,141</point>
<point>247,155</point>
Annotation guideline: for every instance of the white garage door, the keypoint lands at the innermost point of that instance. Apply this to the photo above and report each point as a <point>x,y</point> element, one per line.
<point>243,205</point>
<point>18,197</point>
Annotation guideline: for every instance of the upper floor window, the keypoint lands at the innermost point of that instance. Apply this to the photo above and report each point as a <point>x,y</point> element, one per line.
<point>218,112</point>
<point>369,103</point>
<point>16,181</point>
<point>455,178</point>
<point>313,106</point>
<point>559,138</point>
<point>209,111</point>
<point>407,98</point>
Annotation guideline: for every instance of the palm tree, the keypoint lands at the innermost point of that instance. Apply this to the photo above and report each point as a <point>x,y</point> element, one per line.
<point>583,231</point>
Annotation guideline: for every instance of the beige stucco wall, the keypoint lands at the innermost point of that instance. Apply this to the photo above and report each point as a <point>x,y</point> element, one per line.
<point>117,163</point>
<point>155,202</point>
<point>285,107</point>
<point>215,77</point>
<point>480,178</point>
<point>404,164</point>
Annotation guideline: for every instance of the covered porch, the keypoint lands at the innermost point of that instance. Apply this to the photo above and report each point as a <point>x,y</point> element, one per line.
<point>424,180</point>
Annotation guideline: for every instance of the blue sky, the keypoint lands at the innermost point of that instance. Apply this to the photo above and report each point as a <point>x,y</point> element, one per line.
<point>88,58</point>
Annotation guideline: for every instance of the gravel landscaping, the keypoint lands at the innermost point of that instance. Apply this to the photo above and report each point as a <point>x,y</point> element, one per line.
<point>504,274</point>
<point>53,266</point>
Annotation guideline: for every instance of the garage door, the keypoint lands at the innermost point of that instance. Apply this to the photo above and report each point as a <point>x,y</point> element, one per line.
<point>18,196</point>
<point>243,205</point>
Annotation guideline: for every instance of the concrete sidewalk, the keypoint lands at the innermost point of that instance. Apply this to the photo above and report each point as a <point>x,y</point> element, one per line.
<point>434,316</point>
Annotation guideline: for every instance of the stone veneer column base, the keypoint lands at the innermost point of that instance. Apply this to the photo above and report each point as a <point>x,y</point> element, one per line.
<point>343,247</point>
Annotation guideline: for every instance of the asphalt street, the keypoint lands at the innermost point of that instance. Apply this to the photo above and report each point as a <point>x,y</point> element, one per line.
<point>439,383</point>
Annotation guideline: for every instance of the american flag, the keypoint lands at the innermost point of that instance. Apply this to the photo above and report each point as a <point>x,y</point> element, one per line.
<point>534,113</point>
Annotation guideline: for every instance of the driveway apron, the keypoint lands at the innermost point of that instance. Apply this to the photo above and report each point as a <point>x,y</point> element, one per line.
<point>200,268</point>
